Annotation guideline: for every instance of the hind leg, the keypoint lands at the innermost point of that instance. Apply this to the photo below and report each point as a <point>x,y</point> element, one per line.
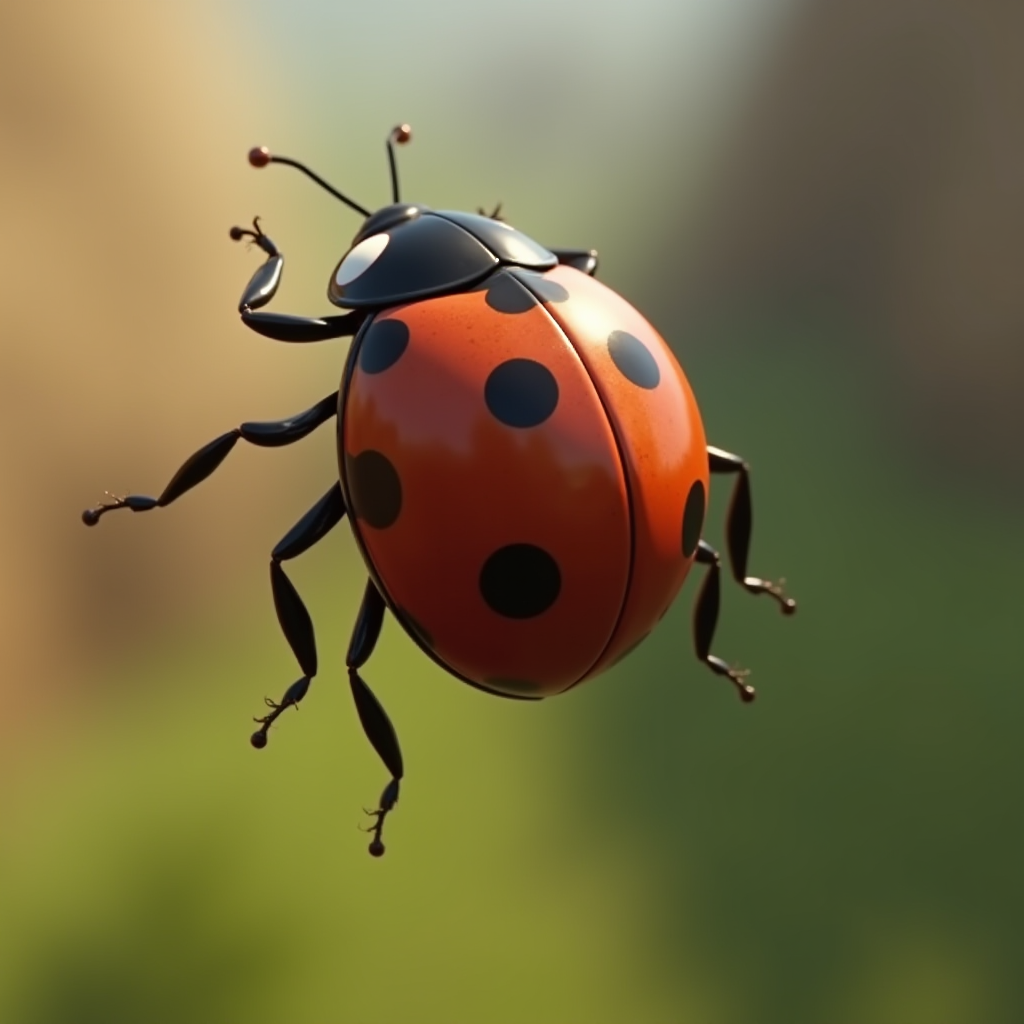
<point>705,619</point>
<point>376,724</point>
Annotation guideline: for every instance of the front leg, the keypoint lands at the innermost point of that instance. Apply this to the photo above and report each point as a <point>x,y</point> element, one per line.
<point>262,287</point>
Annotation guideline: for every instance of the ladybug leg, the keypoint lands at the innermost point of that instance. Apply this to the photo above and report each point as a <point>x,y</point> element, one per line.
<point>739,525</point>
<point>262,287</point>
<point>199,466</point>
<point>291,612</point>
<point>705,618</point>
<point>584,260</point>
<point>376,724</point>
<point>495,214</point>
<point>284,327</point>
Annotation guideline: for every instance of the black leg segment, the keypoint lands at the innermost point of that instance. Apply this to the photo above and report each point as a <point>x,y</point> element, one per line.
<point>739,524</point>
<point>376,724</point>
<point>262,287</point>
<point>284,327</point>
<point>198,467</point>
<point>263,284</point>
<point>292,614</point>
<point>705,619</point>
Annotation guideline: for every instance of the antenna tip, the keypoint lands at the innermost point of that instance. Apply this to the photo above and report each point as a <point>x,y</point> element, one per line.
<point>259,156</point>
<point>401,134</point>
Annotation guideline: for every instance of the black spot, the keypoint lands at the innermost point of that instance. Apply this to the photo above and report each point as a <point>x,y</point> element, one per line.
<point>550,291</point>
<point>633,360</point>
<point>519,687</point>
<point>374,488</point>
<point>520,581</point>
<point>415,630</point>
<point>545,289</point>
<point>521,393</point>
<point>693,518</point>
<point>382,345</point>
<point>506,295</point>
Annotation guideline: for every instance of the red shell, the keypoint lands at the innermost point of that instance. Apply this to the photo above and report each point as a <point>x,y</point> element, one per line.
<point>555,433</point>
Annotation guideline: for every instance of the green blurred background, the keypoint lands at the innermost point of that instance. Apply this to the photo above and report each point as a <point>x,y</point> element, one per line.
<point>821,205</point>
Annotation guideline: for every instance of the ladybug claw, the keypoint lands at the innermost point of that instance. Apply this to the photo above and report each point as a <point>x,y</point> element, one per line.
<point>738,677</point>
<point>254,234</point>
<point>91,516</point>
<point>757,586</point>
<point>387,803</point>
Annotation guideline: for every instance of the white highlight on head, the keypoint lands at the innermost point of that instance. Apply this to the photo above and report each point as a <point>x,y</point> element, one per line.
<point>360,259</point>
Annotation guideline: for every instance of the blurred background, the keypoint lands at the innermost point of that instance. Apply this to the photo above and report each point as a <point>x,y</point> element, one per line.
<point>821,205</point>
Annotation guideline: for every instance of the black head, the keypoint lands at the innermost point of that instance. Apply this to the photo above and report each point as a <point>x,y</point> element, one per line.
<point>405,251</point>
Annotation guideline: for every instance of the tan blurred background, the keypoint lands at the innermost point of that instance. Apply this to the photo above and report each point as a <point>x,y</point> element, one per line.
<point>820,205</point>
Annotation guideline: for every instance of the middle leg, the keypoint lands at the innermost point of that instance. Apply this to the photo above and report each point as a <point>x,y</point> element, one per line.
<point>201,464</point>
<point>295,622</point>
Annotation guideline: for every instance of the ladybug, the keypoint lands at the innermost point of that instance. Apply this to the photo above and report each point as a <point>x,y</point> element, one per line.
<point>520,458</point>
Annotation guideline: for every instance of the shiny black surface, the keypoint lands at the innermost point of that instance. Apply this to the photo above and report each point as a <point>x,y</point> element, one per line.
<point>312,527</point>
<point>423,257</point>
<point>198,466</point>
<point>387,217</point>
<point>740,524</point>
<point>705,619</point>
<point>275,433</point>
<point>366,632</point>
<point>584,260</point>
<point>292,614</point>
<point>294,619</point>
<point>262,285</point>
<point>512,247</point>
<point>372,716</point>
<point>286,327</point>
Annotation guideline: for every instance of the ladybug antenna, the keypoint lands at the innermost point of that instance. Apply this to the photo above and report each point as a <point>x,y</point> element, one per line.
<point>401,134</point>
<point>261,156</point>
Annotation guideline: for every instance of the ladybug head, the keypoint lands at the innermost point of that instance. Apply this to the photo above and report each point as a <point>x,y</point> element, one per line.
<point>387,218</point>
<point>404,251</point>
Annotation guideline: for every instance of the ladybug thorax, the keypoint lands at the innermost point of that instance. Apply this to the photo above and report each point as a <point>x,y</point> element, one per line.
<point>388,217</point>
<point>404,253</point>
